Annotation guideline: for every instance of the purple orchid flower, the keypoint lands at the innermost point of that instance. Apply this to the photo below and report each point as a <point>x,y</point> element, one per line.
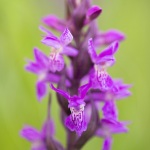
<point>41,68</point>
<point>101,79</point>
<point>44,139</point>
<point>118,92</point>
<point>79,112</point>
<point>76,121</point>
<point>59,48</point>
<point>109,127</point>
<point>38,138</point>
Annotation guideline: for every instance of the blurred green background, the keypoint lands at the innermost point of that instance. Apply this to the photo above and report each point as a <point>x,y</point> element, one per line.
<point>19,21</point>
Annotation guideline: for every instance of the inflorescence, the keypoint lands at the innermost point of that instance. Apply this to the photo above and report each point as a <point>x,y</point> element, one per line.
<point>84,87</point>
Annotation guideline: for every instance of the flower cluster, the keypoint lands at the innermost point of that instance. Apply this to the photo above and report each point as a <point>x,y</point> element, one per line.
<point>83,84</point>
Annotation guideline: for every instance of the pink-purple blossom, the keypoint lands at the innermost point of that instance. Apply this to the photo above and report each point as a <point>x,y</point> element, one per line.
<point>39,139</point>
<point>87,95</point>
<point>100,78</point>
<point>58,48</point>
<point>76,120</point>
<point>40,67</point>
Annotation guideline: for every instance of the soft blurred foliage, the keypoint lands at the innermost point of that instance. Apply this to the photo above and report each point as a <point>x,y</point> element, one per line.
<point>19,21</point>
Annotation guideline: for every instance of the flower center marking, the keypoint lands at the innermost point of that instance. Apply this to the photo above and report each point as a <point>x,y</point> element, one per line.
<point>77,116</point>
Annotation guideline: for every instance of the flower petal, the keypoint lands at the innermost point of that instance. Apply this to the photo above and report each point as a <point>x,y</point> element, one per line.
<point>46,31</point>
<point>66,37</point>
<point>102,81</point>
<point>107,55</point>
<point>76,123</point>
<point>92,51</point>
<point>107,143</point>
<point>70,51</point>
<point>112,127</point>
<point>92,13</point>
<point>40,57</point>
<point>54,22</point>
<point>41,90</point>
<point>109,37</point>
<point>30,133</point>
<point>121,90</point>
<point>51,41</point>
<point>110,110</point>
<point>56,63</point>
<point>83,90</point>
<point>69,124</point>
<point>65,94</point>
<point>92,126</point>
<point>110,50</point>
<point>33,67</point>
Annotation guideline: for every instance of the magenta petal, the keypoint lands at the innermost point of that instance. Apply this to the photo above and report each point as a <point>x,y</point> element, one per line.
<point>54,22</point>
<point>121,90</point>
<point>30,133</point>
<point>66,37</point>
<point>108,37</point>
<point>93,12</point>
<point>107,55</point>
<point>112,126</point>
<point>69,124</point>
<point>65,94</point>
<point>40,57</point>
<point>111,36</point>
<point>41,90</point>
<point>70,51</point>
<point>52,77</point>
<point>107,143</point>
<point>110,50</point>
<point>46,31</point>
<point>41,62</point>
<point>56,64</point>
<point>105,82</point>
<point>75,124</point>
<point>51,41</point>
<point>110,110</point>
<point>33,67</point>
<point>83,90</point>
<point>92,51</point>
